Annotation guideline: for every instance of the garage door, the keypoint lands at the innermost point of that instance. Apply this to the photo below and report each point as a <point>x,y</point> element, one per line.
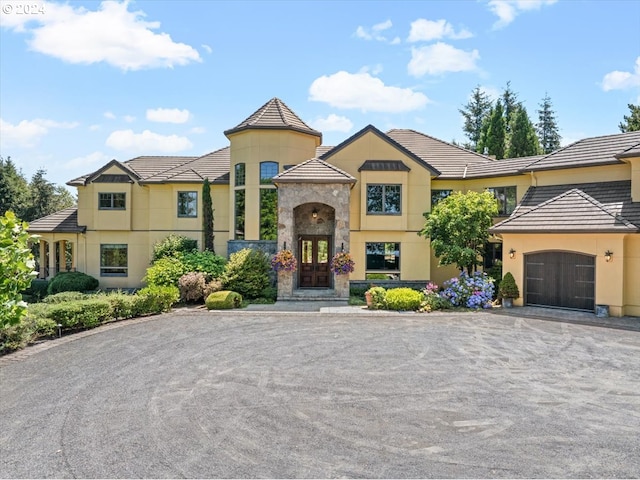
<point>560,279</point>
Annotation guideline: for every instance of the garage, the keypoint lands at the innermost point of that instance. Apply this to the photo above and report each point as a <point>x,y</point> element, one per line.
<point>560,279</point>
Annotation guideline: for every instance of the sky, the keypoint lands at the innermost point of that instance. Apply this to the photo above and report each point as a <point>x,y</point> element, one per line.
<point>85,82</point>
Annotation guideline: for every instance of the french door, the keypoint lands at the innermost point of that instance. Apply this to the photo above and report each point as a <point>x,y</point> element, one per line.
<point>314,261</point>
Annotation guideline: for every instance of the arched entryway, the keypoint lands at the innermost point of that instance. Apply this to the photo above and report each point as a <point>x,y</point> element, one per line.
<point>314,227</point>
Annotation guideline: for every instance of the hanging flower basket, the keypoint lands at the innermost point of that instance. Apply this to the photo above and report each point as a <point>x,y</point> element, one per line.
<point>342,263</point>
<point>284,261</point>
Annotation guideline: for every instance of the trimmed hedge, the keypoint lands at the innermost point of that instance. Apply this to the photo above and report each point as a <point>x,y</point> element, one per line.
<point>223,300</point>
<point>158,299</point>
<point>403,298</point>
<point>72,282</point>
<point>81,313</point>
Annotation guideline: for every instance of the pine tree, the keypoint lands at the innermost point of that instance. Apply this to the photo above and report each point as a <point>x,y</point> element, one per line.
<point>547,128</point>
<point>510,104</point>
<point>13,189</point>
<point>496,132</point>
<point>207,216</point>
<point>524,141</point>
<point>631,123</point>
<point>474,113</point>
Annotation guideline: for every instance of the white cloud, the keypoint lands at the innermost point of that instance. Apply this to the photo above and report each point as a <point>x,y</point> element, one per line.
<point>364,92</point>
<point>95,158</point>
<point>15,14</point>
<point>129,118</point>
<point>207,48</point>
<point>333,123</point>
<point>617,80</point>
<point>428,30</point>
<point>147,141</point>
<point>109,115</point>
<point>112,34</point>
<point>28,133</point>
<point>168,115</point>
<point>508,10</point>
<point>374,33</point>
<point>441,58</point>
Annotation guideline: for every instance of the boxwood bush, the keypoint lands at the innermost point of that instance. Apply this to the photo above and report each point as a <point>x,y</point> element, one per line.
<point>158,299</point>
<point>72,282</point>
<point>81,313</point>
<point>223,300</point>
<point>403,298</point>
<point>247,273</point>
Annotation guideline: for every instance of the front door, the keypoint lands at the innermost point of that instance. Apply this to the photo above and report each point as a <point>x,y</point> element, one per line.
<point>314,261</point>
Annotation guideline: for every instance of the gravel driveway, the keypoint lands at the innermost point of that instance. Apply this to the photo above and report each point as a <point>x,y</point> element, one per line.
<point>310,395</point>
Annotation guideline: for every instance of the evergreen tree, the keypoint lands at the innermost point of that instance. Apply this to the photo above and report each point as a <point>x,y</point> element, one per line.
<point>45,198</point>
<point>631,122</point>
<point>510,106</point>
<point>547,128</point>
<point>524,141</point>
<point>474,113</point>
<point>207,216</point>
<point>13,189</point>
<point>496,132</point>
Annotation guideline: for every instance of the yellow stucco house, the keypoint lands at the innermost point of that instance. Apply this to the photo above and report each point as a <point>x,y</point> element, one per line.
<point>569,225</point>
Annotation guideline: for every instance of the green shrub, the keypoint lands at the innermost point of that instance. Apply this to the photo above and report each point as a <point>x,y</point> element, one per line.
<point>495,272</point>
<point>192,286</point>
<point>247,273</point>
<point>15,337</point>
<point>172,246</point>
<point>37,290</point>
<point>508,287</point>
<point>123,304</point>
<point>403,298</point>
<point>157,298</point>
<point>269,293</point>
<point>72,282</point>
<point>81,313</point>
<point>378,298</point>
<point>209,263</point>
<point>165,272</point>
<point>64,297</point>
<point>212,286</point>
<point>223,300</point>
<point>357,292</point>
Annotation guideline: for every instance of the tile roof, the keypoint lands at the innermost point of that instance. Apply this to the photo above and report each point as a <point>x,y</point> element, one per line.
<point>274,114</point>
<point>450,160</point>
<point>634,151</point>
<point>370,128</point>
<point>314,171</point>
<point>64,221</point>
<point>384,165</point>
<point>499,168</point>
<point>214,165</point>
<point>588,152</point>
<point>588,207</point>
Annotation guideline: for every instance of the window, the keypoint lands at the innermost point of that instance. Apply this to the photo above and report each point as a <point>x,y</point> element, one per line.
<point>506,197</point>
<point>383,199</point>
<point>383,257</point>
<point>113,260</point>
<point>187,204</point>
<point>111,201</point>
<point>239,214</point>
<point>240,174</point>
<point>437,195</point>
<point>268,170</point>
<point>268,214</point>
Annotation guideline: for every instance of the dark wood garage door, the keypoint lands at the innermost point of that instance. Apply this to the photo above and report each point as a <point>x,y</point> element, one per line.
<point>560,279</point>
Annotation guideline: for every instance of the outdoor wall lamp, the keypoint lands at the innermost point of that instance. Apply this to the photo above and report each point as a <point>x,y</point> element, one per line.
<point>512,253</point>
<point>314,213</point>
<point>607,255</point>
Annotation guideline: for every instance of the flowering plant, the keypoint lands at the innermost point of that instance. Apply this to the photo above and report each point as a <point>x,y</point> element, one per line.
<point>342,263</point>
<point>284,261</point>
<point>471,291</point>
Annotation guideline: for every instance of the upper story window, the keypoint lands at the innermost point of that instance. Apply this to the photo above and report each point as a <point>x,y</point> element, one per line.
<point>268,170</point>
<point>438,195</point>
<point>187,204</point>
<point>111,201</point>
<point>506,197</point>
<point>384,199</point>
<point>240,174</point>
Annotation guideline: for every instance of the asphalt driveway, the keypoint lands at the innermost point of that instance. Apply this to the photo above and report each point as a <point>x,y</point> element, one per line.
<point>312,395</point>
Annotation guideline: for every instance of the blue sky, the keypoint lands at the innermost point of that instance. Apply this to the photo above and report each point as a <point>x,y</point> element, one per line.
<point>85,82</point>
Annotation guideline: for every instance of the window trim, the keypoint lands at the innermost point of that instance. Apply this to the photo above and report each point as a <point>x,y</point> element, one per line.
<point>112,198</point>
<point>384,187</point>
<point>184,215</point>
<point>125,272</point>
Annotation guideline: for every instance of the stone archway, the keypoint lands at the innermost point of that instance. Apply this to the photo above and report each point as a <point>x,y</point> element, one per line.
<point>296,205</point>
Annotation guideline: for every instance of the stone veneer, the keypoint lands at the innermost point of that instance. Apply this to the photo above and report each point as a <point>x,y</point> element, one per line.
<point>296,201</point>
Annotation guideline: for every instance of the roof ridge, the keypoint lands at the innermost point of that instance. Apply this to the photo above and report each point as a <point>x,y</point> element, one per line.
<point>486,157</point>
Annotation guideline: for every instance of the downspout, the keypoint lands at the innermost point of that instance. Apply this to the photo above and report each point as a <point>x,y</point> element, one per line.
<point>534,180</point>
